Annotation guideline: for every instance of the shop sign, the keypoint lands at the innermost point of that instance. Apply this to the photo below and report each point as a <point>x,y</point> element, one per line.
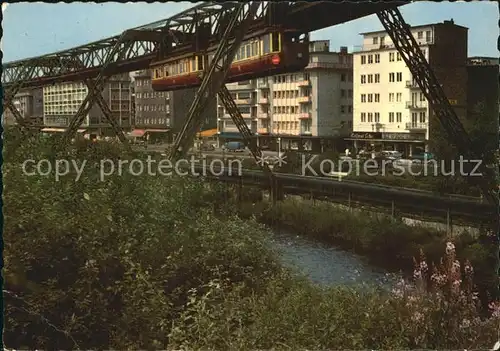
<point>403,136</point>
<point>366,136</point>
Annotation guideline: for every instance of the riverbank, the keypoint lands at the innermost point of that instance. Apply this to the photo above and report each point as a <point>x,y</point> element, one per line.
<point>386,242</point>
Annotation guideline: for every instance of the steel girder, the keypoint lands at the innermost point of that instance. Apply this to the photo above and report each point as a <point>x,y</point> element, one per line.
<point>407,46</point>
<point>60,66</point>
<point>215,75</point>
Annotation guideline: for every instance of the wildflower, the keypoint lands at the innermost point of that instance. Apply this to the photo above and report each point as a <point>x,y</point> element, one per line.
<point>450,248</point>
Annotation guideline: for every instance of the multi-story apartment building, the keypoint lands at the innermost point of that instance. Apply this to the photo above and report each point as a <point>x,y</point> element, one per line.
<point>390,111</point>
<point>483,99</point>
<point>314,103</point>
<point>29,103</point>
<point>62,101</point>
<point>163,112</point>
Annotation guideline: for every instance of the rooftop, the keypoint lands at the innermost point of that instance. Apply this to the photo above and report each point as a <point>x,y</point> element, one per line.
<point>445,22</point>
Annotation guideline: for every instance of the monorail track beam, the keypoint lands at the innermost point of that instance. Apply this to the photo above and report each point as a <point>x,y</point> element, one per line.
<point>407,46</point>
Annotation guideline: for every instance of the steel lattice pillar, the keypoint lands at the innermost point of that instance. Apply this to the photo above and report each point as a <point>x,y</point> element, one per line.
<point>214,76</point>
<point>405,43</point>
<point>119,50</point>
<point>107,114</point>
<point>23,75</point>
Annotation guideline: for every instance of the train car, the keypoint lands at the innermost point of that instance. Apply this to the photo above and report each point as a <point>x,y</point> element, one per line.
<point>274,52</point>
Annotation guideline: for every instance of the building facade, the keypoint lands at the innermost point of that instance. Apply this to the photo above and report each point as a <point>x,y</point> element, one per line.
<point>62,101</point>
<point>163,111</point>
<point>313,103</point>
<point>390,111</point>
<point>29,103</point>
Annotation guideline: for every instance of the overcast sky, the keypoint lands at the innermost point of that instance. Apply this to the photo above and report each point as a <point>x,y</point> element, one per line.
<point>32,29</point>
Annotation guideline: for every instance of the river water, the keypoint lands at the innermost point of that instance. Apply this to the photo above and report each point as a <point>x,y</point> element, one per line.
<point>326,265</point>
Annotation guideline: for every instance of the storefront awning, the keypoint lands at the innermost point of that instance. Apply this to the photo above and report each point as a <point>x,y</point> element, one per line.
<point>137,133</point>
<point>208,133</point>
<point>60,130</point>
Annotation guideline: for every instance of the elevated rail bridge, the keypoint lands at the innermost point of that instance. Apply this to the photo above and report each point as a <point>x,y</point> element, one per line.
<point>229,23</point>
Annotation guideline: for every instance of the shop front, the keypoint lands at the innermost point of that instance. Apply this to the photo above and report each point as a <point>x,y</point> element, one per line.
<point>406,143</point>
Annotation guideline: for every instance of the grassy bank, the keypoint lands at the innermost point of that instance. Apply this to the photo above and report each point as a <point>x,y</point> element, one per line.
<point>144,262</point>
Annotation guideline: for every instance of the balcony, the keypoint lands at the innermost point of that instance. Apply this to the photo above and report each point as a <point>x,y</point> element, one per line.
<point>416,105</point>
<point>304,131</point>
<point>243,101</point>
<point>329,65</point>
<point>263,131</point>
<point>263,115</point>
<point>416,126</point>
<point>304,99</point>
<point>263,101</point>
<point>304,115</point>
<point>412,85</point>
<point>304,83</point>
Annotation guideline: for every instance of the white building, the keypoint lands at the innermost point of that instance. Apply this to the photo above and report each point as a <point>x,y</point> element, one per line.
<point>390,111</point>
<point>314,103</point>
<point>61,102</point>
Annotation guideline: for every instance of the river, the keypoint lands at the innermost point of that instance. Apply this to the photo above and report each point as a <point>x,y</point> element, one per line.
<point>326,265</point>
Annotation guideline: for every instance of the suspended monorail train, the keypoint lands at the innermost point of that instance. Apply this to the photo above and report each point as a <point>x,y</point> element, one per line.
<point>270,53</point>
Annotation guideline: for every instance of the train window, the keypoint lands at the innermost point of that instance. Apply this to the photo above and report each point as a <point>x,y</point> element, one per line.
<point>266,44</point>
<point>193,65</point>
<point>275,42</point>
<point>249,51</point>
<point>255,46</point>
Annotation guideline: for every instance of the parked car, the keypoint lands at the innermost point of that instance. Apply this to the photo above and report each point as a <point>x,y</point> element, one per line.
<point>234,146</point>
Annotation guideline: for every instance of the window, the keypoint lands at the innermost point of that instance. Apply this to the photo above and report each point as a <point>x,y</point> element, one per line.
<point>422,97</point>
<point>363,59</point>
<point>428,36</point>
<point>370,78</point>
<point>391,117</point>
<point>363,97</point>
<point>377,58</point>
<point>391,77</point>
<point>398,117</point>
<point>375,40</point>
<point>398,56</point>
<point>342,77</point>
<point>370,117</point>
<point>363,117</point>
<point>377,97</point>
<point>363,79</point>
<point>342,109</point>
<point>350,108</point>
<point>370,58</point>
<point>342,93</point>
<point>377,117</point>
<point>391,57</point>
<point>391,97</point>
<point>420,35</point>
<point>350,93</point>
<point>422,117</point>
<point>370,97</point>
<point>399,77</point>
<point>377,78</point>
<point>399,97</point>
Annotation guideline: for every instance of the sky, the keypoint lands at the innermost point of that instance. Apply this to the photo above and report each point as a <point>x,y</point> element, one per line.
<point>33,29</point>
